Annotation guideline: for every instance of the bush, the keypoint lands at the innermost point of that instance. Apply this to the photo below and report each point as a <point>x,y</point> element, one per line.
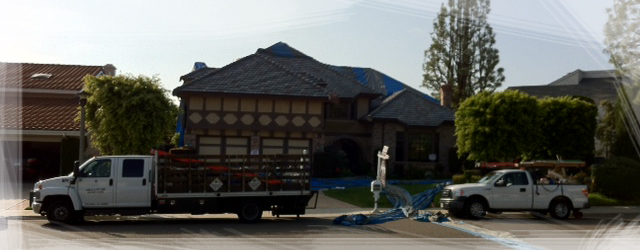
<point>458,179</point>
<point>467,177</point>
<point>617,178</point>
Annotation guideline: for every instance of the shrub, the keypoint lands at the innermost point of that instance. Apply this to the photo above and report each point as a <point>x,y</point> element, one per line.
<point>467,177</point>
<point>459,179</point>
<point>617,178</point>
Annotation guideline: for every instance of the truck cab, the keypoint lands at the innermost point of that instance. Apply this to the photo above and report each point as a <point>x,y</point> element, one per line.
<point>111,184</point>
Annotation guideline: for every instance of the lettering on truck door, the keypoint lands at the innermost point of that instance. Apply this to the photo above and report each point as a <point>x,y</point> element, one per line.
<point>132,186</point>
<point>95,184</point>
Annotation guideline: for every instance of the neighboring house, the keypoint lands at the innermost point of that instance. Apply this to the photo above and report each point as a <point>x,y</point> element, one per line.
<point>39,108</point>
<point>281,101</point>
<point>597,85</point>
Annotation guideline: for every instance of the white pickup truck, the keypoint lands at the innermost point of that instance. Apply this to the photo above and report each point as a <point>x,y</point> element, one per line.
<point>514,190</point>
<point>137,185</point>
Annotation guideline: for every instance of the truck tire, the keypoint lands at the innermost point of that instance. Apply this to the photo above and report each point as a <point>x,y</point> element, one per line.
<point>475,208</point>
<point>250,212</point>
<point>560,209</point>
<point>61,211</point>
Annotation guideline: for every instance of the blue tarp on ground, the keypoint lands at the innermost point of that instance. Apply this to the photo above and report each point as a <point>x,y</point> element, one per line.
<point>401,210</point>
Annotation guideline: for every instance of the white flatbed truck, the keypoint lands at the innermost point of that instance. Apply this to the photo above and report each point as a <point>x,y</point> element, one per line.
<point>245,185</point>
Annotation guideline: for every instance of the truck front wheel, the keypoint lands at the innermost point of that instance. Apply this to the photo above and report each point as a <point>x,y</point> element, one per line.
<point>475,208</point>
<point>60,211</point>
<point>250,212</point>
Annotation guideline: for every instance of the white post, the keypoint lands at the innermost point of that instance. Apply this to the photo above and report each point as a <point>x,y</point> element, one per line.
<point>376,185</point>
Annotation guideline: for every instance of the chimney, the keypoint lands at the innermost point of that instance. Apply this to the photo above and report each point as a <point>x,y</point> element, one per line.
<point>445,95</point>
<point>109,69</point>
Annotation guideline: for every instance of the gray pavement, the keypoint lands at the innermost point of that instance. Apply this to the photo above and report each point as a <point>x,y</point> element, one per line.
<point>325,207</point>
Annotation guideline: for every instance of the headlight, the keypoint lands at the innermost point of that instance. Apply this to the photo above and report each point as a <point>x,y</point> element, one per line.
<point>458,193</point>
<point>446,193</point>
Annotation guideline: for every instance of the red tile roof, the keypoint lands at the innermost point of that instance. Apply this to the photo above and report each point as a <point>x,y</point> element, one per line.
<point>40,113</point>
<point>63,77</point>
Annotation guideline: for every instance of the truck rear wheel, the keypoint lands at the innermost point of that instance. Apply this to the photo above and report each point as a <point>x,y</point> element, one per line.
<point>560,209</point>
<point>250,212</point>
<point>61,211</point>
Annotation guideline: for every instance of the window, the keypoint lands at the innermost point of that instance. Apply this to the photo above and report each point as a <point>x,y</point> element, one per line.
<point>97,168</point>
<point>516,179</point>
<point>422,147</point>
<point>133,168</point>
<point>339,111</point>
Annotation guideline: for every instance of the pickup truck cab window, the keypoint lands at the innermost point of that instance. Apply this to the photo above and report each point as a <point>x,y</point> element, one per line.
<point>97,168</point>
<point>490,177</point>
<point>514,179</point>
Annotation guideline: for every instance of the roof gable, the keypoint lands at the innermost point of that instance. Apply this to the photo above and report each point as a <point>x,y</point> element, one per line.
<point>277,70</point>
<point>253,74</point>
<point>412,109</point>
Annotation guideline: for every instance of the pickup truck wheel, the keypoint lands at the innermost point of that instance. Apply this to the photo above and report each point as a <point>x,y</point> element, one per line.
<point>475,208</point>
<point>560,209</point>
<point>250,212</point>
<point>60,211</point>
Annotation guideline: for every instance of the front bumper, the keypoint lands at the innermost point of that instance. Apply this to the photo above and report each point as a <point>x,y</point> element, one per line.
<point>453,205</point>
<point>36,206</point>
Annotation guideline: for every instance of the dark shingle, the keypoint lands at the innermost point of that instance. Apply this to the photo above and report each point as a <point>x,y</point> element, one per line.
<point>412,109</point>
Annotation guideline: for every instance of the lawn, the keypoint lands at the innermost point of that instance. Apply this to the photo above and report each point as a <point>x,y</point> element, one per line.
<point>362,196</point>
<point>596,199</point>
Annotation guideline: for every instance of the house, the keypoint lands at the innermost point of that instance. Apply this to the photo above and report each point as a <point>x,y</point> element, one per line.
<point>282,101</point>
<point>597,85</point>
<point>39,107</point>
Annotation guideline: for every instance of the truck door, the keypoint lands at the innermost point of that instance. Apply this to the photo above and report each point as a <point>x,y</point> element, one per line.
<point>132,183</point>
<point>95,184</point>
<point>516,192</point>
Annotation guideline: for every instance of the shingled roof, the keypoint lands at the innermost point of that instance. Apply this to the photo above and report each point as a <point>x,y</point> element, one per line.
<point>597,85</point>
<point>45,76</point>
<point>412,109</point>
<point>278,70</point>
<point>42,97</point>
<point>40,113</point>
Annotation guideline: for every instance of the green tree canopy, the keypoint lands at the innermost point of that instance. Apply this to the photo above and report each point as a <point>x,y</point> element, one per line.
<point>127,114</point>
<point>462,53</point>
<point>568,126</point>
<point>500,126</point>
<point>508,125</point>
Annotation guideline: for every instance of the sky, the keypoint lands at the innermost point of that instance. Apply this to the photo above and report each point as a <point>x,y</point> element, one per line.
<point>539,40</point>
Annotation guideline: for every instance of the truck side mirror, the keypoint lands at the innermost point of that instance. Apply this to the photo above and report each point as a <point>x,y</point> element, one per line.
<point>500,183</point>
<point>76,171</point>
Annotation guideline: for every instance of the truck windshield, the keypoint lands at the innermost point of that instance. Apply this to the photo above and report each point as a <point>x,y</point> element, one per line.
<point>490,177</point>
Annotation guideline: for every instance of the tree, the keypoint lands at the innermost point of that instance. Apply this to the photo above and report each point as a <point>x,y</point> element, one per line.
<point>568,128</point>
<point>508,125</point>
<point>500,126</point>
<point>622,39</point>
<point>127,114</point>
<point>461,53</point>
<point>606,130</point>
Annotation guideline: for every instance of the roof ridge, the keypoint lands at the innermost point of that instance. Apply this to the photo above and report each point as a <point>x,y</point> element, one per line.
<point>306,79</point>
<point>55,64</point>
<point>386,102</point>
<point>224,68</point>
